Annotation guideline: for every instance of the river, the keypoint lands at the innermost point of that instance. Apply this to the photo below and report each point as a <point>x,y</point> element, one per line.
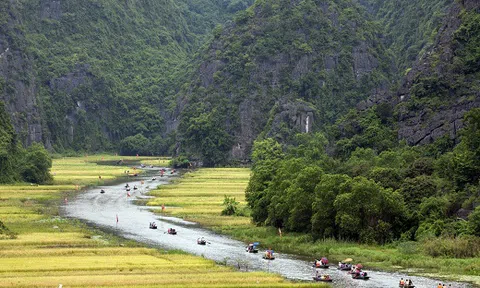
<point>102,211</point>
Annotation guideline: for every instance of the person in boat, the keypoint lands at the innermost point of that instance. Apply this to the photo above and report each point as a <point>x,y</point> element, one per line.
<point>269,253</point>
<point>409,283</point>
<point>326,277</point>
<point>323,261</point>
<point>358,272</point>
<point>402,282</point>
<point>250,247</point>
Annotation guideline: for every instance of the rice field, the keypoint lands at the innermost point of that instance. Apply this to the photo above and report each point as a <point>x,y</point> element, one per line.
<point>156,161</point>
<point>46,250</point>
<point>198,196</point>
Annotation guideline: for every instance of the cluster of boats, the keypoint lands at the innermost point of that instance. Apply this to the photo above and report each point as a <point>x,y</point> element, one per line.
<point>354,270</point>
<point>252,248</point>
<point>127,187</point>
<point>172,231</point>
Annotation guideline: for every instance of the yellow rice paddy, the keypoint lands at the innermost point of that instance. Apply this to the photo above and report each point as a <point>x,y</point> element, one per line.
<point>199,195</point>
<point>48,250</point>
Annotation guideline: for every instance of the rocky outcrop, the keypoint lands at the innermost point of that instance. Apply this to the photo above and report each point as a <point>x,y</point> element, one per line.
<point>437,91</point>
<point>286,67</point>
<point>425,126</point>
<point>435,74</point>
<point>17,80</point>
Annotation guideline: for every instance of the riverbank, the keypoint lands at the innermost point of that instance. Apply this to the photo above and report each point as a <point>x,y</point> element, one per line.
<point>198,196</point>
<point>38,248</point>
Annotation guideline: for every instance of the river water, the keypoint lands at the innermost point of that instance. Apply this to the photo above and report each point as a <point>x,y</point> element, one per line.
<point>102,210</point>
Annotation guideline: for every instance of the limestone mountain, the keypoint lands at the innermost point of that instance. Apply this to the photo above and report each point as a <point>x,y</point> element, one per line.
<point>84,75</point>
<point>409,26</point>
<point>280,67</point>
<point>17,77</point>
<point>443,83</point>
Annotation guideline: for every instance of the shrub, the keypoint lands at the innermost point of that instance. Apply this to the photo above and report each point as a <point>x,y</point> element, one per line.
<point>474,222</point>
<point>37,165</point>
<point>133,145</point>
<point>230,206</point>
<point>461,247</point>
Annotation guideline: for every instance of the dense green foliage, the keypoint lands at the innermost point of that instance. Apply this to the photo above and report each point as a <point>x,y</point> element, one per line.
<point>231,206</point>
<point>36,165</point>
<point>107,70</point>
<point>280,51</point>
<point>8,148</point>
<point>371,194</point>
<point>409,25</point>
<point>32,164</point>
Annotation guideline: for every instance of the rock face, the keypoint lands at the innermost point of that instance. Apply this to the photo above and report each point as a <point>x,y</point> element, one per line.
<point>441,86</point>
<point>424,113</point>
<point>284,67</point>
<point>99,70</point>
<point>17,80</point>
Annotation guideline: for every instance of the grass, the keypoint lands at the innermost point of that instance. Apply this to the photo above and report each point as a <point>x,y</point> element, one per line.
<point>156,161</point>
<point>198,196</point>
<point>47,250</point>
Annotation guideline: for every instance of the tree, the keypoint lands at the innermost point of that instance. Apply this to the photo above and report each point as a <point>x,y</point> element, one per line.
<point>9,150</point>
<point>465,161</point>
<point>323,218</point>
<point>203,132</point>
<point>415,189</point>
<point>474,221</point>
<point>133,145</point>
<point>37,165</point>
<point>230,206</point>
<point>362,205</point>
<point>266,156</point>
<point>300,197</point>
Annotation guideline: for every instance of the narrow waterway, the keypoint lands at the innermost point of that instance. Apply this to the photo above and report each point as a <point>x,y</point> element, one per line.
<point>133,222</point>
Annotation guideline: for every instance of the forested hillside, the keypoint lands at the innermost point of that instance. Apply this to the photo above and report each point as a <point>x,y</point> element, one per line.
<point>277,69</point>
<point>16,163</point>
<point>408,26</point>
<point>95,72</point>
<point>148,76</point>
<point>373,188</point>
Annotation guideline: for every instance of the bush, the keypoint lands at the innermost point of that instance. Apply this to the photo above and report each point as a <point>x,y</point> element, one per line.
<point>461,247</point>
<point>474,222</point>
<point>180,162</point>
<point>133,145</point>
<point>230,206</point>
<point>408,247</point>
<point>5,233</point>
<point>37,165</point>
